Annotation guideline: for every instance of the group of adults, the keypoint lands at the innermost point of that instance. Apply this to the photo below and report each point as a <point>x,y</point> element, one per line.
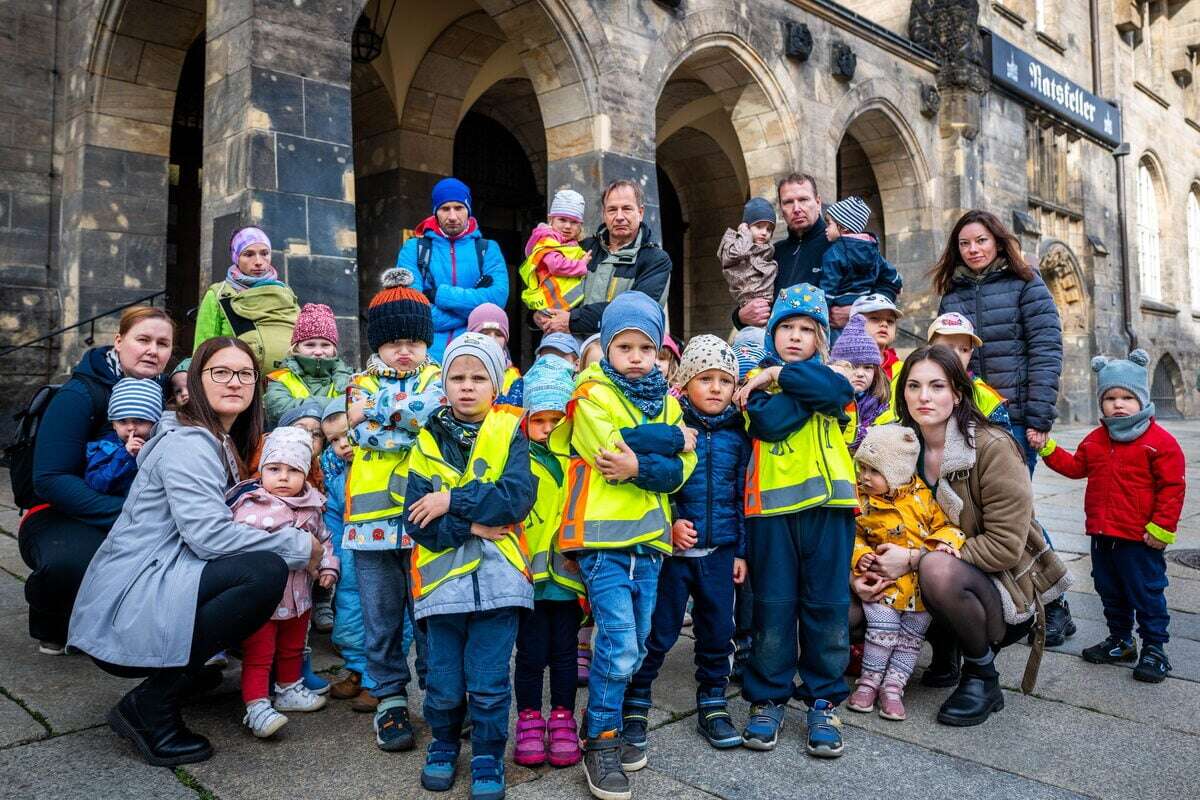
<point>185,581</point>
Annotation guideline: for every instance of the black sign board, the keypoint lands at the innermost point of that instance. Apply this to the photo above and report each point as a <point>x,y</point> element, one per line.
<point>1022,74</point>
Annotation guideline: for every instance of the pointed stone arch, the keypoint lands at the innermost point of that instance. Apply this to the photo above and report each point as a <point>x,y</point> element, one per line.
<point>1071,292</point>
<point>1166,387</point>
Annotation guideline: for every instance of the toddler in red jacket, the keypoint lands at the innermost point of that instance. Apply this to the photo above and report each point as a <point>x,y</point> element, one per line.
<point>1135,472</point>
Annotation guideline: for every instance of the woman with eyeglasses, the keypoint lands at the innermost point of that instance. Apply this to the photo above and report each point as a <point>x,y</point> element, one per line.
<point>177,580</point>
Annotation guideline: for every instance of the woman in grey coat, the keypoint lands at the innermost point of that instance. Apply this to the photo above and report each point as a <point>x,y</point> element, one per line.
<point>177,580</point>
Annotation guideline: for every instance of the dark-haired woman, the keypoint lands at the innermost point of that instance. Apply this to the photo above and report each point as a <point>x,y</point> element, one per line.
<point>992,593</point>
<point>59,536</point>
<point>177,579</point>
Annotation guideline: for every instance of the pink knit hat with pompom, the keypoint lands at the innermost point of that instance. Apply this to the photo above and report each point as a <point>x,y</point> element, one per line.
<point>315,321</point>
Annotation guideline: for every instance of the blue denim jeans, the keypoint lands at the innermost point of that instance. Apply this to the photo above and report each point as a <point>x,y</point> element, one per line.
<point>468,664</point>
<point>622,588</point>
<point>383,590</point>
<point>1030,454</point>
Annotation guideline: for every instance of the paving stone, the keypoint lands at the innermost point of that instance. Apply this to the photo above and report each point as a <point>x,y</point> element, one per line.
<point>1088,606</point>
<point>1182,595</point>
<point>17,725</point>
<point>1084,751</point>
<point>570,784</point>
<point>1184,653</point>
<point>10,555</point>
<point>873,766</point>
<point>83,766</point>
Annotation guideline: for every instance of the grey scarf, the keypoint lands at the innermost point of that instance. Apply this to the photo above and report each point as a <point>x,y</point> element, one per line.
<point>1126,429</point>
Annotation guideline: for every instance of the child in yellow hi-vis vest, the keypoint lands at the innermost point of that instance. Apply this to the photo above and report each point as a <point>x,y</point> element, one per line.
<point>800,504</point>
<point>311,367</point>
<point>554,262</point>
<point>955,331</point>
<point>469,492</point>
<point>546,638</point>
<point>628,450</point>
<point>387,404</point>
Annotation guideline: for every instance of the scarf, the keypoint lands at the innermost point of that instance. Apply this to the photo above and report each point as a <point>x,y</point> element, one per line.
<point>999,264</point>
<point>869,407</point>
<point>463,434</point>
<point>648,393</point>
<point>320,369</point>
<point>240,282</point>
<point>331,465</point>
<point>711,422</point>
<point>1126,429</point>
<point>114,363</point>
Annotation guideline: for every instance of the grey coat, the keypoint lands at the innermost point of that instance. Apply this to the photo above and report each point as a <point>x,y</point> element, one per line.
<point>1022,351</point>
<point>137,604</point>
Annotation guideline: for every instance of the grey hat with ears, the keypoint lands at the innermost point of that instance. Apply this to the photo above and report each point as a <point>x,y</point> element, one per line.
<point>1122,373</point>
<point>892,450</point>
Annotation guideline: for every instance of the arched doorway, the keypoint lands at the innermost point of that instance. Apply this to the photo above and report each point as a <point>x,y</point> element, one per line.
<point>1166,387</point>
<point>1064,278</point>
<point>184,274</point>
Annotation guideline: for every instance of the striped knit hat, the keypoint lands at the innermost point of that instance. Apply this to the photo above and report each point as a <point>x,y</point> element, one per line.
<point>398,311</point>
<point>851,213</point>
<point>136,398</point>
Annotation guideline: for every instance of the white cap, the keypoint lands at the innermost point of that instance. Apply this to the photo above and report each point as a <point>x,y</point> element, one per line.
<point>870,303</point>
<point>951,324</point>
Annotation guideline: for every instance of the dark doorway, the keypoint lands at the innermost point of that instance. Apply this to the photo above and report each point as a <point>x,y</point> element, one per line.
<point>856,176</point>
<point>507,205</point>
<point>184,273</point>
<point>674,230</point>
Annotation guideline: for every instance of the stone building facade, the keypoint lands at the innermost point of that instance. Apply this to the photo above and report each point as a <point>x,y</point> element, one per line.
<point>136,135</point>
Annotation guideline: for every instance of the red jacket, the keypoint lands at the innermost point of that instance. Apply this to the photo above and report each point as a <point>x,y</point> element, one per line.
<point>1131,485</point>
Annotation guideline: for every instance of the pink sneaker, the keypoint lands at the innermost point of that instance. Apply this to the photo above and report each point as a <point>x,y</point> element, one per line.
<point>530,747</point>
<point>891,703</point>
<point>863,699</point>
<point>564,739</point>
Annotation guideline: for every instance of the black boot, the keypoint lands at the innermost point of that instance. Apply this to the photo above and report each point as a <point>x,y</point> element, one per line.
<point>942,671</point>
<point>977,696</point>
<point>149,717</point>
<point>1059,625</point>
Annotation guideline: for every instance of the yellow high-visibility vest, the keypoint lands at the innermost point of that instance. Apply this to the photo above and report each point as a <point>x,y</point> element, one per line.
<point>377,480</point>
<point>544,290</point>
<point>510,377</point>
<point>602,515</point>
<point>810,468</point>
<point>295,386</point>
<point>485,463</point>
<point>851,427</point>
<point>541,530</point>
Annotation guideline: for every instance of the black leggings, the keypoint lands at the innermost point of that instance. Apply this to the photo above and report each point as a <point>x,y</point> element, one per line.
<point>57,548</point>
<point>963,598</point>
<point>237,595</point>
<point>547,637</point>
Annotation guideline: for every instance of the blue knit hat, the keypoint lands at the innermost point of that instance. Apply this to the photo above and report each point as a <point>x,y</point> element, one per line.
<point>451,190</point>
<point>309,407</point>
<point>632,311</point>
<point>1120,373</point>
<point>758,210</point>
<point>548,385</point>
<point>851,213</point>
<point>801,300</point>
<point>562,342</point>
<point>182,366</point>
<point>855,344</point>
<point>136,398</point>
<point>335,406</point>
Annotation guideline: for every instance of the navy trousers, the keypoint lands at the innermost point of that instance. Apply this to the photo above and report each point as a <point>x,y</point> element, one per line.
<point>1130,578</point>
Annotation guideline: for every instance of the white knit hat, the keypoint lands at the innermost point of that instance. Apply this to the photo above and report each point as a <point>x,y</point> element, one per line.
<point>567,203</point>
<point>288,445</point>
<point>891,450</point>
<point>703,353</point>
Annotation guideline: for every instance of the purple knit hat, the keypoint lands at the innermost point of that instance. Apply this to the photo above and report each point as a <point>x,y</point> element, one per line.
<point>855,345</point>
<point>488,316</point>
<point>243,239</point>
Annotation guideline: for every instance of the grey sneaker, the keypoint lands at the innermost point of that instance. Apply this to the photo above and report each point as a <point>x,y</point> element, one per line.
<point>602,767</point>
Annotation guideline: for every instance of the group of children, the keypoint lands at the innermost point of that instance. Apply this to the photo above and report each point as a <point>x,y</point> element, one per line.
<point>472,511</point>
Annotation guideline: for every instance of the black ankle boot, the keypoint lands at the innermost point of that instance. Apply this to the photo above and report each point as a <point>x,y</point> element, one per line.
<point>942,671</point>
<point>977,696</point>
<point>149,717</point>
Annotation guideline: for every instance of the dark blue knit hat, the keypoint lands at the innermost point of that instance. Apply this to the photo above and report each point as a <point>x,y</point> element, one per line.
<point>451,190</point>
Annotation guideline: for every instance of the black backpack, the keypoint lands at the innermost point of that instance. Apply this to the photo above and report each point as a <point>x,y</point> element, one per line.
<point>19,454</point>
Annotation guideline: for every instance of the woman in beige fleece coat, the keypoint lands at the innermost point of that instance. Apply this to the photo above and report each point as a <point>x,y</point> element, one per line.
<point>992,593</point>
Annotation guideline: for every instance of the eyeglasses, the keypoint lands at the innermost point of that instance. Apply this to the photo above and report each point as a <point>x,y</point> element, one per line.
<point>224,375</point>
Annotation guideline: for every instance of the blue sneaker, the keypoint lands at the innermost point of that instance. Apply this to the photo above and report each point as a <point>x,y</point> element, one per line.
<point>824,736</point>
<point>441,760</point>
<point>312,681</point>
<point>393,731</point>
<point>762,730</point>
<point>487,778</point>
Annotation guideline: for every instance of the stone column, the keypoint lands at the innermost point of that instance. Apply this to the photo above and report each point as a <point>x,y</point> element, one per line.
<point>277,145</point>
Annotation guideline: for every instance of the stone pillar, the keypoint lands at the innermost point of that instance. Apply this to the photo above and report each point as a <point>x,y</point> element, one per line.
<point>277,146</point>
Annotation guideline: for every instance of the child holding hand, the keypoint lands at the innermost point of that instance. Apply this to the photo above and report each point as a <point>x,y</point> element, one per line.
<point>283,499</point>
<point>897,508</point>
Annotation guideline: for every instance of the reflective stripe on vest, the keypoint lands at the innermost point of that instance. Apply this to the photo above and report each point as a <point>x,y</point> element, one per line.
<point>378,480</point>
<point>295,386</point>
<point>544,290</point>
<point>810,468</point>
<point>485,463</point>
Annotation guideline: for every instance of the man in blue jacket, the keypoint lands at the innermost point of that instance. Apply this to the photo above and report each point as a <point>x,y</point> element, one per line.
<point>453,264</point>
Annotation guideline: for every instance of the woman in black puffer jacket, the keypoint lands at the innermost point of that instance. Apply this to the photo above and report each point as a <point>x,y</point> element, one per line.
<point>982,275</point>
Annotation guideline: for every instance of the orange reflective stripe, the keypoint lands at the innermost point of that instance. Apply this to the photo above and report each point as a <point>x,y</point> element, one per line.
<point>414,576</point>
<point>753,490</point>
<point>277,374</point>
<point>570,532</point>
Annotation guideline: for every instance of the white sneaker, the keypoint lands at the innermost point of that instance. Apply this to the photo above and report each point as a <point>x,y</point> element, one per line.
<point>297,697</point>
<point>47,648</point>
<point>263,720</point>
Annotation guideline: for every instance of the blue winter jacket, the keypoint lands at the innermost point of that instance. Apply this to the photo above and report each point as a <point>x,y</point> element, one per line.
<point>77,415</point>
<point>458,284</point>
<point>712,498</point>
<point>808,388</point>
<point>851,268</point>
<point>110,468</point>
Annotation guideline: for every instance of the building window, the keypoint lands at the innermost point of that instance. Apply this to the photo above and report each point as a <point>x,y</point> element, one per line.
<point>1149,265</point>
<point>1053,168</point>
<point>1193,240</point>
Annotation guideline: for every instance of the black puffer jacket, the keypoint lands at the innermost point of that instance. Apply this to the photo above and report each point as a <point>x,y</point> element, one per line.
<point>1022,351</point>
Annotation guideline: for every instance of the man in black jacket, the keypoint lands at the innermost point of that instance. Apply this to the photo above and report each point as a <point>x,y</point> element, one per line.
<point>623,258</point>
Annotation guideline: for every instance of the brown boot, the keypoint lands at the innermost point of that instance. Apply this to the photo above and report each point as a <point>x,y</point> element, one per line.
<point>348,687</point>
<point>365,702</point>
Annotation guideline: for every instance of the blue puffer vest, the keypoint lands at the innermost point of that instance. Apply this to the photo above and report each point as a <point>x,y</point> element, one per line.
<point>712,497</point>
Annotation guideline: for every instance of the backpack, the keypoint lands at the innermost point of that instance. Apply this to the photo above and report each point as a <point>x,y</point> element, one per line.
<point>425,254</point>
<point>19,453</point>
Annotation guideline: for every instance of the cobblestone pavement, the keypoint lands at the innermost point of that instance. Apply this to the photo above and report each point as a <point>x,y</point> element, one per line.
<point>1086,731</point>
